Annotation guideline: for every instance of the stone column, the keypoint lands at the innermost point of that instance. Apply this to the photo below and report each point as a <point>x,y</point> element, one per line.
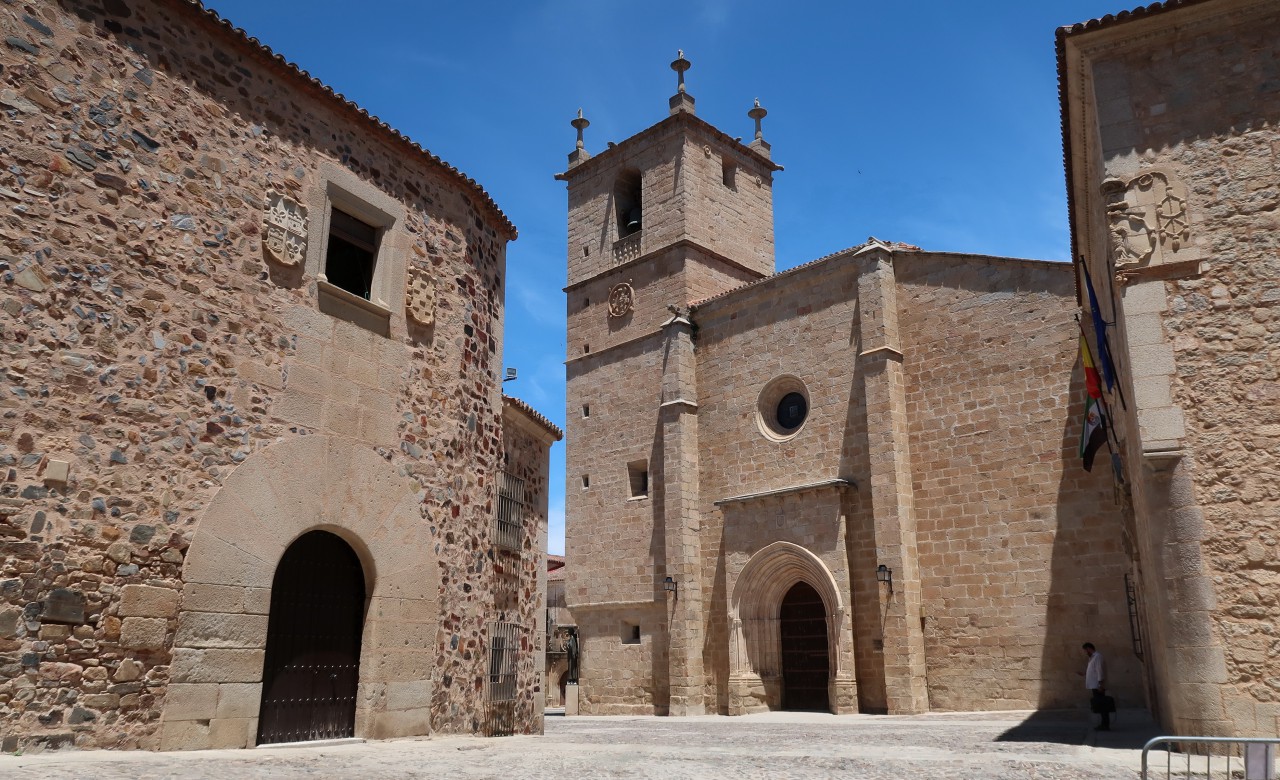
<point>889,480</point>
<point>681,520</point>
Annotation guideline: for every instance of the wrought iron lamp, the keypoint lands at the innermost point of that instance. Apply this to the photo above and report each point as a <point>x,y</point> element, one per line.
<point>885,574</point>
<point>669,585</point>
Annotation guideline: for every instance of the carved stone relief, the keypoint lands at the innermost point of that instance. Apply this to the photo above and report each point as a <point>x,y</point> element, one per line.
<point>1147,218</point>
<point>284,230</point>
<point>420,297</point>
<point>622,299</point>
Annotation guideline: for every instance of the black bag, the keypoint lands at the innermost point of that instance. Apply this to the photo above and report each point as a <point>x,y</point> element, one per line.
<point>1102,703</point>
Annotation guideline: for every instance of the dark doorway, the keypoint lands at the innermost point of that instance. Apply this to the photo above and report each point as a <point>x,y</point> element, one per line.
<point>312,665</point>
<point>805,663</point>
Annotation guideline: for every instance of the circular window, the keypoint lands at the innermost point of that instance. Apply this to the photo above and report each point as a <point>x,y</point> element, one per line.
<point>791,411</point>
<point>782,408</point>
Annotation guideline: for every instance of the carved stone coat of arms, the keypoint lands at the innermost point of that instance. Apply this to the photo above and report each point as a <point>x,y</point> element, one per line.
<point>284,230</point>
<point>1147,218</point>
<point>420,297</point>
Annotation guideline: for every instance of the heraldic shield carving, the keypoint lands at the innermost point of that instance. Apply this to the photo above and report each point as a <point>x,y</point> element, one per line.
<point>420,298</point>
<point>284,230</point>
<point>622,299</point>
<point>1147,218</point>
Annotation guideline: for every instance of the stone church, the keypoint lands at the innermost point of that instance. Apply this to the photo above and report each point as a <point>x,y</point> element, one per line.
<point>851,486</point>
<point>258,478</point>
<point>855,485</point>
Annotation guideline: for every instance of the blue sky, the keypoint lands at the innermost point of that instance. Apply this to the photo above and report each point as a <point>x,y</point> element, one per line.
<point>932,122</point>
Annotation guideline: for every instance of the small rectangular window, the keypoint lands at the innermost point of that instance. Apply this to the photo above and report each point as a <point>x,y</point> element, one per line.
<point>351,255</point>
<point>586,410</point>
<point>586,302</point>
<point>586,251</point>
<point>586,349</point>
<point>630,634</point>
<point>730,173</point>
<point>508,528</point>
<point>638,476</point>
<point>586,481</point>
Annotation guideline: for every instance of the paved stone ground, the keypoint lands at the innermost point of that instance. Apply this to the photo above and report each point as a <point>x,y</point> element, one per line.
<point>990,746</point>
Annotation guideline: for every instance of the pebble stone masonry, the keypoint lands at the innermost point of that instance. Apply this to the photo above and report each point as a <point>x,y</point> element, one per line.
<point>183,391</point>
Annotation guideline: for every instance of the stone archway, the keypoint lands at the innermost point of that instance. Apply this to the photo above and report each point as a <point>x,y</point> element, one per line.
<point>755,679</point>
<point>279,493</point>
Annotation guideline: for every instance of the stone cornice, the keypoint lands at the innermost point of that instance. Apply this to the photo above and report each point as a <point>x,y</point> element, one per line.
<point>826,484</point>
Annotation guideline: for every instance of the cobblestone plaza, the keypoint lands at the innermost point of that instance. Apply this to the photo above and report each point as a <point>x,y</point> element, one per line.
<point>779,745</point>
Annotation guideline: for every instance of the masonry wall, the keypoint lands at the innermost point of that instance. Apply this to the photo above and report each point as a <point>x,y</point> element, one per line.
<point>1020,549</point>
<point>149,344</point>
<point>799,324</point>
<point>1194,95</point>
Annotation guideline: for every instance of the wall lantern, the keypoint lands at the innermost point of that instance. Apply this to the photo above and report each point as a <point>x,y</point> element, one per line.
<point>885,574</point>
<point>669,585</point>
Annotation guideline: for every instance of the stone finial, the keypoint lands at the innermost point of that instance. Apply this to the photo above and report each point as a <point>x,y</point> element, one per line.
<point>758,113</point>
<point>579,155</point>
<point>682,100</point>
<point>581,123</point>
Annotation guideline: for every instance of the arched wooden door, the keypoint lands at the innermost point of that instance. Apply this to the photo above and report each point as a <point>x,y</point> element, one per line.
<point>806,667</point>
<point>312,666</point>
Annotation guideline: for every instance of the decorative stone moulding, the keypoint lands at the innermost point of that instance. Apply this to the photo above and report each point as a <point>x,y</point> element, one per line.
<point>284,230</point>
<point>420,298</point>
<point>782,407</point>
<point>1148,226</point>
<point>622,300</point>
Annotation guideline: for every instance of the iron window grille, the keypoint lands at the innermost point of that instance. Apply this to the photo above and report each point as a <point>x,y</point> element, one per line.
<point>504,646</point>
<point>508,530</point>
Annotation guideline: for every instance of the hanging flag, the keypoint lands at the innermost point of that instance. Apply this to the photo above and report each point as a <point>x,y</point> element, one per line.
<point>1100,331</point>
<point>1091,381</point>
<point>1093,434</point>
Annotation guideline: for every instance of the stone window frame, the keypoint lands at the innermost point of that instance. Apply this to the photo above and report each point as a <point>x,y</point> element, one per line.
<point>341,189</point>
<point>630,633</point>
<point>771,395</point>
<point>638,480</point>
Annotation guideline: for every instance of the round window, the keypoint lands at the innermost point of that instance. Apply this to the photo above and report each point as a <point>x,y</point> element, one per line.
<point>782,408</point>
<point>791,411</point>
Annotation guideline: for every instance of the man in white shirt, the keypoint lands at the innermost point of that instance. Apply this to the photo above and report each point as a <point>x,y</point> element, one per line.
<point>1095,679</point>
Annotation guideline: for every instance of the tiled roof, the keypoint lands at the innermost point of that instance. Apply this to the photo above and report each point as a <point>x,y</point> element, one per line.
<point>556,575</point>
<point>893,246</point>
<point>534,415</point>
<point>554,561</point>
<point>271,57</point>
<point>1110,20</point>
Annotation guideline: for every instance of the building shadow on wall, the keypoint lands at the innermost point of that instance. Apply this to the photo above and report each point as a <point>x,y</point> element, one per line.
<point>1086,601</point>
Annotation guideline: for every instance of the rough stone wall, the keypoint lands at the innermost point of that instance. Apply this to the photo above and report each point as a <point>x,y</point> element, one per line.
<point>1194,94</point>
<point>517,595</point>
<point>147,343</point>
<point>1020,549</point>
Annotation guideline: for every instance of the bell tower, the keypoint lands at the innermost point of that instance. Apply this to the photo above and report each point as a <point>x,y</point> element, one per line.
<point>675,214</point>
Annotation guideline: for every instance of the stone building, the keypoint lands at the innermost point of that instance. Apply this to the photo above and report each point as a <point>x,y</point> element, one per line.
<point>850,486</point>
<point>1170,117</point>
<point>253,444</point>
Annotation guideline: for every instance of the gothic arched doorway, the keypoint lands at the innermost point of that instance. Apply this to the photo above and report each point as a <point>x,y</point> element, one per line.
<point>806,666</point>
<point>312,665</point>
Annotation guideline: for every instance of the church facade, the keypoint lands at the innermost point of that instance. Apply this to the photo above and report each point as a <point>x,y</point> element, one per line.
<point>852,486</point>
<point>258,478</point>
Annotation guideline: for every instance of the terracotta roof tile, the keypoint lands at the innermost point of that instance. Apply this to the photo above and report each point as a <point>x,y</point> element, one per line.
<point>534,415</point>
<point>266,53</point>
<point>896,246</point>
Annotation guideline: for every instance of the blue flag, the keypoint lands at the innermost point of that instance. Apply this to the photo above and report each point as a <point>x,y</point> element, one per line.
<point>1100,330</point>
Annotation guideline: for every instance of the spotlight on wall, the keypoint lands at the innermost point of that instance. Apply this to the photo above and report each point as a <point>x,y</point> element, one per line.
<point>669,585</point>
<point>511,374</point>
<point>885,574</point>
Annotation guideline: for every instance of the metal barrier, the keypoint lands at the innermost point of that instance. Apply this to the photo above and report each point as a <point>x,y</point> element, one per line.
<point>1236,758</point>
